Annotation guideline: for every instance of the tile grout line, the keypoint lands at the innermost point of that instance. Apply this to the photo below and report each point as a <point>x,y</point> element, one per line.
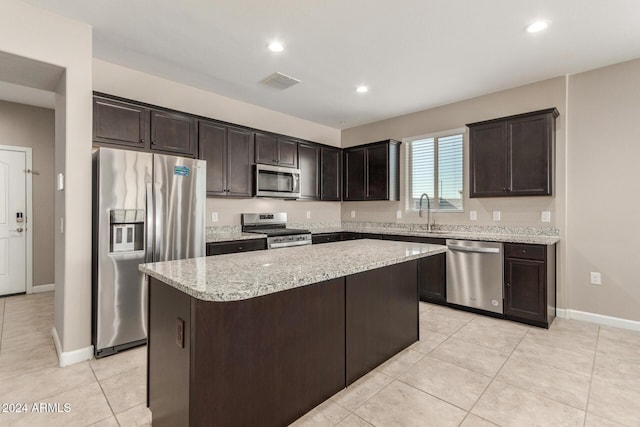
<point>493,379</point>
<point>104,394</point>
<point>593,368</point>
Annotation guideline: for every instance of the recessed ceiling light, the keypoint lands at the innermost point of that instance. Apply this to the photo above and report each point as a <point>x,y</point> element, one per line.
<point>537,26</point>
<point>362,89</point>
<point>276,46</point>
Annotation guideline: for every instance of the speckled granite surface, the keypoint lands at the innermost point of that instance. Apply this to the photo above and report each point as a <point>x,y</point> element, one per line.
<point>246,275</point>
<point>531,235</point>
<point>489,233</point>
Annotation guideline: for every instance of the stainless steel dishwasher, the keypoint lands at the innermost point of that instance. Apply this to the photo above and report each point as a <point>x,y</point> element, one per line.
<point>474,274</point>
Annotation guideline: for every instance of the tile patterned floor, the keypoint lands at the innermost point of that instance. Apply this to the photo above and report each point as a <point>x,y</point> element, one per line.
<point>466,370</point>
<point>105,392</point>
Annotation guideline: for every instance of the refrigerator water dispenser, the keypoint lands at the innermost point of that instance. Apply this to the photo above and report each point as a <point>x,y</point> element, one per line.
<point>127,230</point>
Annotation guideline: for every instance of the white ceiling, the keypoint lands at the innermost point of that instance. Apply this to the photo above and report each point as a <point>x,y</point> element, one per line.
<point>413,54</point>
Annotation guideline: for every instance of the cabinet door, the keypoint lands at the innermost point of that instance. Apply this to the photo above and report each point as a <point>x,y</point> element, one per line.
<point>530,155</point>
<point>488,172</point>
<point>173,133</point>
<point>308,160</point>
<point>524,289</point>
<point>212,147</point>
<point>354,174</point>
<point>431,278</point>
<point>330,174</point>
<point>266,149</point>
<point>120,123</point>
<point>287,152</point>
<point>239,162</point>
<point>377,161</point>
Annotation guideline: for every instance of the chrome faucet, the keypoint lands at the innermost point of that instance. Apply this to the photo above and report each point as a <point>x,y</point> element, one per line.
<point>428,210</point>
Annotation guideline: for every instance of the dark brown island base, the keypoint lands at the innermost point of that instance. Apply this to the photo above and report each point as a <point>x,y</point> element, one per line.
<point>219,358</point>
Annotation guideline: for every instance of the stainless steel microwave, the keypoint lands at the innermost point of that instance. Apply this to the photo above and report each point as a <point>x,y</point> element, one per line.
<point>277,181</point>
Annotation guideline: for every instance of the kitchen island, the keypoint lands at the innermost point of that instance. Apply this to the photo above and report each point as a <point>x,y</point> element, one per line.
<point>261,338</point>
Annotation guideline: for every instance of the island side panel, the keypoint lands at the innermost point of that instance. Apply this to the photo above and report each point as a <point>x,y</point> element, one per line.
<point>381,316</point>
<point>267,360</point>
<point>168,363</point>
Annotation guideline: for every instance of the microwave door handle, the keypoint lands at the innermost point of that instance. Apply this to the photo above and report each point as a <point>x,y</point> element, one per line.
<point>296,183</point>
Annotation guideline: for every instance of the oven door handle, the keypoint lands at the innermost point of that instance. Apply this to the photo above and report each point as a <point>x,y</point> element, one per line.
<point>286,244</point>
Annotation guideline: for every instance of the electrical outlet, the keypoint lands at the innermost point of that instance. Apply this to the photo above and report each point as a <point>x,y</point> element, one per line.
<point>180,332</point>
<point>496,215</point>
<point>398,214</point>
<point>308,214</point>
<point>214,216</point>
<point>473,215</point>
<point>546,216</point>
<point>353,214</point>
<point>596,278</point>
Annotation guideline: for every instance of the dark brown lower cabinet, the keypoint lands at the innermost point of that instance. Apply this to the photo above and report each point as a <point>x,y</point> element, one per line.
<point>235,246</point>
<point>432,278</point>
<point>381,316</point>
<point>268,360</point>
<point>529,284</point>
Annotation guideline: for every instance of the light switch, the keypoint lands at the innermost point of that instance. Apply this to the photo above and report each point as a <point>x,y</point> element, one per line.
<point>398,214</point>
<point>473,215</point>
<point>496,215</point>
<point>308,214</point>
<point>353,214</point>
<point>546,216</point>
<point>214,216</point>
<point>596,278</point>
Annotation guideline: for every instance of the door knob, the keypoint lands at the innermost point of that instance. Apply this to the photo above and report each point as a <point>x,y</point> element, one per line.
<point>19,230</point>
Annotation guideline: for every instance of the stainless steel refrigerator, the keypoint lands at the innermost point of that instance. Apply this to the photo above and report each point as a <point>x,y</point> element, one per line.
<point>146,208</point>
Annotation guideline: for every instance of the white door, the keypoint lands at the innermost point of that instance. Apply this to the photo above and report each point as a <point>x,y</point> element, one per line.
<point>13,277</point>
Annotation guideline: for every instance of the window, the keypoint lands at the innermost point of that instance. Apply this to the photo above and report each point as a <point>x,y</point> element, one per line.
<point>434,166</point>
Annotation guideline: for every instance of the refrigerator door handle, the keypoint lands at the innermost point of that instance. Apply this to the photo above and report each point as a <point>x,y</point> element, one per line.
<point>158,225</point>
<point>149,224</point>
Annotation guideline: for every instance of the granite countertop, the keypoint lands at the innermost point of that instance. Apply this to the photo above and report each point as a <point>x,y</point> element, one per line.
<point>469,235</point>
<point>247,275</point>
<point>233,235</point>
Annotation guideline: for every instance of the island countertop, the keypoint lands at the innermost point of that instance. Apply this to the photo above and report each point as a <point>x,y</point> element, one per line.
<point>234,277</point>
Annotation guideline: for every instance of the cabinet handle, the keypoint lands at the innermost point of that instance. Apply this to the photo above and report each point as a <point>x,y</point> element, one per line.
<point>239,248</point>
<point>508,189</point>
<point>504,188</point>
<point>141,139</point>
<point>524,251</point>
<point>508,284</point>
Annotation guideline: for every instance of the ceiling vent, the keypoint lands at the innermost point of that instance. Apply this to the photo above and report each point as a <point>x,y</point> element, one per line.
<point>280,81</point>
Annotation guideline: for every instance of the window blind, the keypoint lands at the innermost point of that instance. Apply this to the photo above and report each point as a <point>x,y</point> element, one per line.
<point>436,169</point>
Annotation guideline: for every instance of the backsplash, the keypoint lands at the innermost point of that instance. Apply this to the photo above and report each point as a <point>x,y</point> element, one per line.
<point>328,226</point>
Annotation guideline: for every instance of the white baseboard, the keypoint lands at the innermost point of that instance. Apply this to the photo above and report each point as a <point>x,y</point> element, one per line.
<point>43,288</point>
<point>600,319</point>
<point>66,358</point>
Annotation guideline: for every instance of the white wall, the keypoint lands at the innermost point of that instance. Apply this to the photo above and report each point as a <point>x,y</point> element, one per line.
<point>603,208</point>
<point>32,33</point>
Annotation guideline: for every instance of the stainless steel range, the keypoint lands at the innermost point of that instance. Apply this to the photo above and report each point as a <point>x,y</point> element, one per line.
<point>274,225</point>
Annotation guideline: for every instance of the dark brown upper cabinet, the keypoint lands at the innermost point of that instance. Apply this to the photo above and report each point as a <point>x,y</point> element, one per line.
<point>308,163</point>
<point>513,156</point>
<point>137,127</point>
<point>173,133</point>
<point>120,123</point>
<point>229,154</point>
<point>330,174</point>
<point>372,171</point>
<point>276,150</point>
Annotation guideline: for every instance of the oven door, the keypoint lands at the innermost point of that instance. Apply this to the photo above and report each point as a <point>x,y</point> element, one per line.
<point>277,181</point>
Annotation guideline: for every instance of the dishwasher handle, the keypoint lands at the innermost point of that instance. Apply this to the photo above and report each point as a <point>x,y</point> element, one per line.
<point>479,250</point>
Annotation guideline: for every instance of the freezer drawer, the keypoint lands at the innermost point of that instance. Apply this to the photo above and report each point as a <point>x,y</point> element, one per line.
<point>475,274</point>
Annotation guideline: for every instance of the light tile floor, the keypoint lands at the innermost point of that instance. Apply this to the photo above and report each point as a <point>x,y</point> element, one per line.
<point>466,370</point>
<point>105,392</point>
